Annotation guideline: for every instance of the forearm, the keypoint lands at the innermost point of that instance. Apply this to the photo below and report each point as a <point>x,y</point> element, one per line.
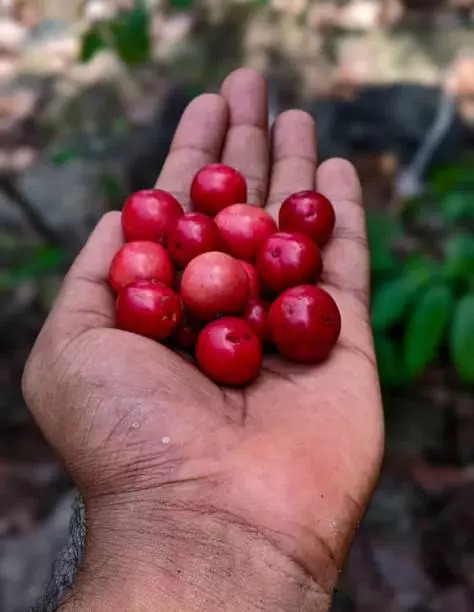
<point>187,564</point>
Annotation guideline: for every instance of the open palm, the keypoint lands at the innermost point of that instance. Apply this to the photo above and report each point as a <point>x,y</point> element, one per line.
<point>293,457</point>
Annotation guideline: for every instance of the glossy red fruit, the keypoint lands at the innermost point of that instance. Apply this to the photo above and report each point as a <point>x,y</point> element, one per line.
<point>140,260</point>
<point>305,324</point>
<point>309,213</point>
<point>148,308</point>
<point>216,186</point>
<point>288,259</point>
<point>192,235</point>
<point>229,352</point>
<point>214,284</point>
<point>243,229</point>
<point>253,278</point>
<point>256,314</point>
<point>149,215</point>
<point>187,333</point>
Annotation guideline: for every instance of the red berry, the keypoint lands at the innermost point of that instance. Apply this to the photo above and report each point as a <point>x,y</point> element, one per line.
<point>214,284</point>
<point>140,260</point>
<point>148,308</point>
<point>186,335</point>
<point>243,229</point>
<point>253,278</point>
<point>309,213</point>
<point>192,235</point>
<point>149,215</point>
<point>305,324</point>
<point>229,352</point>
<point>256,314</point>
<point>288,259</point>
<point>216,186</point>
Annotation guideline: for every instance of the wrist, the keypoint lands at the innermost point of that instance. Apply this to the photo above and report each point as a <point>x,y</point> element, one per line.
<point>173,560</point>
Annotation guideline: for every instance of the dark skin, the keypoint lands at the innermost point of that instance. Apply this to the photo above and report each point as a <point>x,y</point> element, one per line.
<point>200,497</point>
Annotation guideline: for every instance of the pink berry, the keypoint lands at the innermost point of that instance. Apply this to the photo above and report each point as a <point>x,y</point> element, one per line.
<point>309,213</point>
<point>140,260</point>
<point>187,333</point>
<point>288,259</point>
<point>148,308</point>
<point>243,229</point>
<point>229,352</point>
<point>256,314</point>
<point>214,284</point>
<point>253,278</point>
<point>305,324</point>
<point>216,186</point>
<point>149,215</point>
<point>192,235</point>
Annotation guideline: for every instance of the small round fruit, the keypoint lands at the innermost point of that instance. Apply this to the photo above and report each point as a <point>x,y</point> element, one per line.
<point>186,335</point>
<point>243,229</point>
<point>253,278</point>
<point>229,352</point>
<point>214,284</point>
<point>149,215</point>
<point>288,259</point>
<point>256,314</point>
<point>305,324</point>
<point>216,186</point>
<point>309,213</point>
<point>140,260</point>
<point>148,308</point>
<point>192,235</point>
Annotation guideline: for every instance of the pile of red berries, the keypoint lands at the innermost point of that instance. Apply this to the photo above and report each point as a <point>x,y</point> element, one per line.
<point>224,281</point>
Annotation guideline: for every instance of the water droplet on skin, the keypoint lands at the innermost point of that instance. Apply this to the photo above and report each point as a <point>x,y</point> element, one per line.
<point>166,440</point>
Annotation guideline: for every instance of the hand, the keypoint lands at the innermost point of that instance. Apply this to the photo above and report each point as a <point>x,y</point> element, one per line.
<point>199,497</point>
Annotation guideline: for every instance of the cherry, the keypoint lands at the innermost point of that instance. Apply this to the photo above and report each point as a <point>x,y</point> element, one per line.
<point>256,314</point>
<point>214,284</point>
<point>253,278</point>
<point>149,215</point>
<point>243,228</point>
<point>305,324</point>
<point>192,235</point>
<point>229,352</point>
<point>216,186</point>
<point>140,260</point>
<point>288,259</point>
<point>148,308</point>
<point>309,213</point>
<point>187,333</point>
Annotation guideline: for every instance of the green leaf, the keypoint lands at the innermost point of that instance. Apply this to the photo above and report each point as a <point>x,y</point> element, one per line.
<point>131,35</point>
<point>462,339</point>
<point>451,177</point>
<point>458,206</point>
<point>64,155</point>
<point>39,260</point>
<point>459,256</point>
<point>392,370</point>
<point>425,329</point>
<point>381,233</point>
<point>181,5</point>
<point>392,298</point>
<point>92,43</point>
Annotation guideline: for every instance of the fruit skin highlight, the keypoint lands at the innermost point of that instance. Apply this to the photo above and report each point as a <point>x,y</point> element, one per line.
<point>287,259</point>
<point>243,229</point>
<point>149,215</point>
<point>148,308</point>
<point>309,213</point>
<point>214,284</point>
<point>305,324</point>
<point>253,279</point>
<point>216,186</point>
<point>192,235</point>
<point>140,260</point>
<point>229,352</point>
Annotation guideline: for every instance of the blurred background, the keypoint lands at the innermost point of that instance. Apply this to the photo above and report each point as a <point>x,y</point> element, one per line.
<point>90,93</point>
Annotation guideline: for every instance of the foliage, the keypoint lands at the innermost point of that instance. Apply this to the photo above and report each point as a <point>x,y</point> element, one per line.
<point>128,34</point>
<point>423,279</point>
